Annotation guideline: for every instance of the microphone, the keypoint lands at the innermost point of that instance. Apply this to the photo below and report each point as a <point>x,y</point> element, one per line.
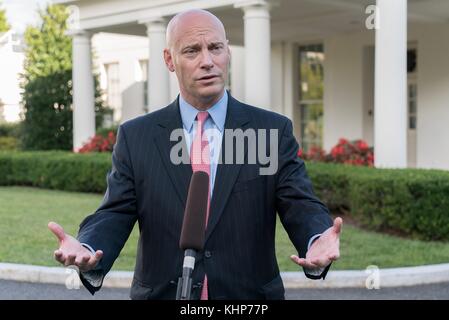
<point>193,230</point>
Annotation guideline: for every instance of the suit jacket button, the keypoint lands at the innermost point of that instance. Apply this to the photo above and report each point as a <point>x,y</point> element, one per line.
<point>207,254</point>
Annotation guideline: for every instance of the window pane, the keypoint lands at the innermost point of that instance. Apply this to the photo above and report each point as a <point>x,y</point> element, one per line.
<point>412,123</point>
<point>412,107</point>
<point>311,125</point>
<point>144,69</point>
<point>412,91</point>
<point>114,98</point>
<point>411,60</point>
<point>311,74</point>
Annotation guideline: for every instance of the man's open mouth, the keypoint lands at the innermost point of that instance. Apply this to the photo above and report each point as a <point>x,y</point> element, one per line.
<point>211,76</point>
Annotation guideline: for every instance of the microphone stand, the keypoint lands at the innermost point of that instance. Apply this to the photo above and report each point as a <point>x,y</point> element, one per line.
<point>185,282</point>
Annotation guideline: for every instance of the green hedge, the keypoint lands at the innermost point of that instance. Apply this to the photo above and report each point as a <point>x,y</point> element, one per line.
<point>8,143</point>
<point>414,202</point>
<point>56,170</point>
<point>9,136</point>
<point>10,129</point>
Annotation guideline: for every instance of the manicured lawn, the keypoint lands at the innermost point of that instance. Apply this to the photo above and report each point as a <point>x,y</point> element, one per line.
<point>24,237</point>
<point>25,213</point>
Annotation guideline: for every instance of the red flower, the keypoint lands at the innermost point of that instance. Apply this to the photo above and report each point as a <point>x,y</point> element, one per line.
<point>361,145</point>
<point>334,152</point>
<point>356,153</point>
<point>99,143</point>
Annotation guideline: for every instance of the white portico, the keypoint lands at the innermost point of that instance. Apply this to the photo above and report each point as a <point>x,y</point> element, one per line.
<point>152,17</point>
<point>319,62</point>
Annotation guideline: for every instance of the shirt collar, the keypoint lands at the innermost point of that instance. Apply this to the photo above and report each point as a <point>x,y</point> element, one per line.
<point>217,112</point>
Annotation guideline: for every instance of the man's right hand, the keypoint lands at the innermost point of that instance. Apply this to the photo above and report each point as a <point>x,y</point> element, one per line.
<point>72,252</point>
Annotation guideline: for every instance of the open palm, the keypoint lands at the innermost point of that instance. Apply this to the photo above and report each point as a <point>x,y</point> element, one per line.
<point>324,250</point>
<point>72,252</point>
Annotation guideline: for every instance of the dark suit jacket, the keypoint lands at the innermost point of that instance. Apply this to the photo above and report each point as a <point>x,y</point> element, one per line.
<point>239,252</point>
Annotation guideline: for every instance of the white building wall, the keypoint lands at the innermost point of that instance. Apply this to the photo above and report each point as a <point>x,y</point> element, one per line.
<point>290,76</point>
<point>126,51</point>
<point>236,72</point>
<point>277,79</point>
<point>348,109</point>
<point>283,71</point>
<point>343,88</point>
<point>433,97</point>
<point>11,65</point>
<point>344,94</point>
<point>368,78</point>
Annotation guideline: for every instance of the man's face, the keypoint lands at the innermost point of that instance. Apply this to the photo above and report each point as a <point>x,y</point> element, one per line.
<point>199,55</point>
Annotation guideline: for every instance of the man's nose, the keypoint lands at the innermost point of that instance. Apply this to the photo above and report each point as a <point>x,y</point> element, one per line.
<point>206,60</point>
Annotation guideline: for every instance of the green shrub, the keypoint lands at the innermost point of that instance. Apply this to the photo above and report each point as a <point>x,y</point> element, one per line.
<point>8,143</point>
<point>55,170</point>
<point>104,132</point>
<point>331,183</point>
<point>10,129</point>
<point>412,201</point>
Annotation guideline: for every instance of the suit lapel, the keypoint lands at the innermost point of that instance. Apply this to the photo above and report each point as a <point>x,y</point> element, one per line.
<point>180,174</point>
<point>226,175</point>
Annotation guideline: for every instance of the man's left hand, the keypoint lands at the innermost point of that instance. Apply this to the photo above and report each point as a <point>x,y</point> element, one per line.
<point>324,250</point>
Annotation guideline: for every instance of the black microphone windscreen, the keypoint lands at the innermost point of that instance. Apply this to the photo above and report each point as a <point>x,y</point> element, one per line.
<point>194,223</point>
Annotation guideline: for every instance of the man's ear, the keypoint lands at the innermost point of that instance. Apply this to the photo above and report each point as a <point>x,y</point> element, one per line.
<point>168,58</point>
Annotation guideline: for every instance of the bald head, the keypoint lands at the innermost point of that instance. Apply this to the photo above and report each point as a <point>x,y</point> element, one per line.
<point>186,20</point>
<point>198,52</point>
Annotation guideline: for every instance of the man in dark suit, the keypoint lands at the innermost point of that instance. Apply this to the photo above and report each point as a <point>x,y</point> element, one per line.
<point>146,184</point>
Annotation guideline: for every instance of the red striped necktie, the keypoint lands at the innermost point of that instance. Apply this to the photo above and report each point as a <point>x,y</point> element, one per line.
<point>200,160</point>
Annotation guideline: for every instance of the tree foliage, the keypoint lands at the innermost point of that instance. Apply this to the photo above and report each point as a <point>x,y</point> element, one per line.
<point>4,25</point>
<point>47,84</point>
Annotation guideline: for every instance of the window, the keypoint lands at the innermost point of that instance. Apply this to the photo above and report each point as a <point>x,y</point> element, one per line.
<point>143,69</point>
<point>411,61</point>
<point>144,77</point>
<point>412,97</point>
<point>311,77</point>
<point>113,95</point>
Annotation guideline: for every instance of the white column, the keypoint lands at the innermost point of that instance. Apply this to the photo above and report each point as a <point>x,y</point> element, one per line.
<point>237,65</point>
<point>83,89</point>
<point>390,116</point>
<point>158,74</point>
<point>257,52</point>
